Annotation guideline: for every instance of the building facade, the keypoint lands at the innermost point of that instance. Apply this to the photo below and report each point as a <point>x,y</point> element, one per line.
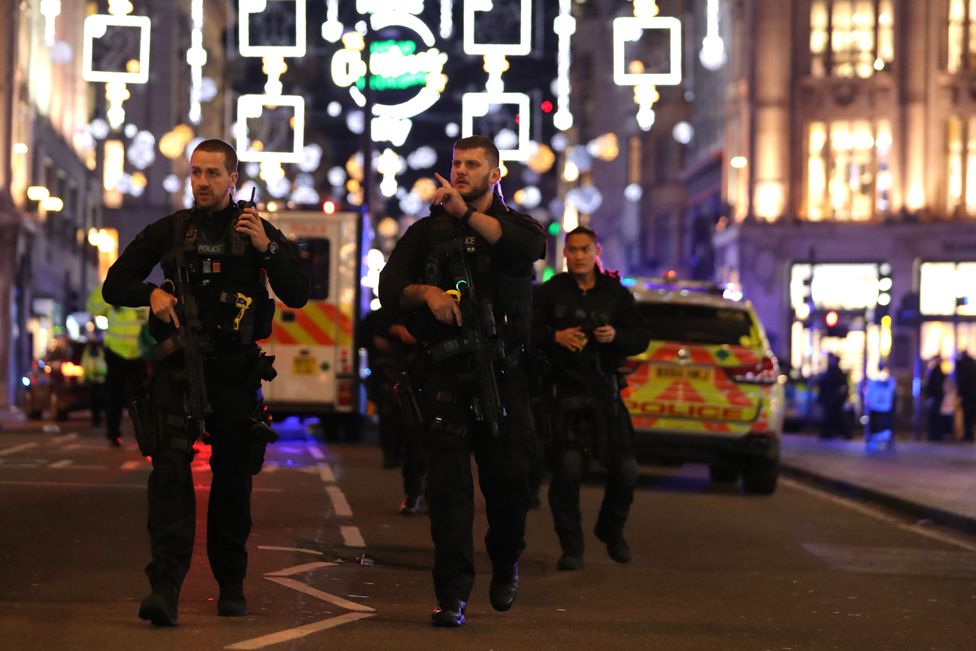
<point>853,125</point>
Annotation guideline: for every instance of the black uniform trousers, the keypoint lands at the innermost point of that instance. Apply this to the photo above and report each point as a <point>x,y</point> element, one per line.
<point>233,397</point>
<point>124,379</point>
<point>572,450</point>
<point>504,462</point>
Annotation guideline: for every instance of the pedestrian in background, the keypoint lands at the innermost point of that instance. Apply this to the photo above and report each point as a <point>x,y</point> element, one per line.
<point>93,364</point>
<point>125,364</point>
<point>934,392</point>
<point>587,323</point>
<point>471,233</point>
<point>833,390</point>
<point>966,387</point>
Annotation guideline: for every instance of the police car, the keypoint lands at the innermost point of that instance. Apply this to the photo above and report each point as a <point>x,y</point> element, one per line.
<point>708,388</point>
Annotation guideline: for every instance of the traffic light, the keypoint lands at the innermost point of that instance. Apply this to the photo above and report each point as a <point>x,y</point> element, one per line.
<point>883,307</point>
<point>833,325</point>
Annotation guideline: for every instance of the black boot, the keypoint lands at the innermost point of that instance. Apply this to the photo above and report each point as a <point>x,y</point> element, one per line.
<point>160,606</point>
<point>231,602</point>
<point>449,613</point>
<point>504,588</point>
<point>617,547</point>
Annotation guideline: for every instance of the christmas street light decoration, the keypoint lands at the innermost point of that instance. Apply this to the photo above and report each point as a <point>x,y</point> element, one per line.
<point>564,26</point>
<point>95,28</point>
<point>496,55</point>
<point>253,106</point>
<point>630,30</point>
<point>712,53</point>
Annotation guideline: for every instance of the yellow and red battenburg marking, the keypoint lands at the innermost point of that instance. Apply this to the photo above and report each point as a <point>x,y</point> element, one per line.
<point>318,323</point>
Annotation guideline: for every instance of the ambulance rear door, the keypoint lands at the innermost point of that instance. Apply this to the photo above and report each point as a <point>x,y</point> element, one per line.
<point>313,346</point>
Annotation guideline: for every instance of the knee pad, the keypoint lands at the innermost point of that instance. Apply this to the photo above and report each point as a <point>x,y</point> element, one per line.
<point>628,471</point>
<point>571,466</point>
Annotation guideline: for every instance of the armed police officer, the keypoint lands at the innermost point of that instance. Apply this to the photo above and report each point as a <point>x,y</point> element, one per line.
<point>206,316</point>
<point>587,323</point>
<point>463,274</point>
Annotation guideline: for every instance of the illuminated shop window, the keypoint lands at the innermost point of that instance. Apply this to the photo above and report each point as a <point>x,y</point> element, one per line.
<point>961,166</point>
<point>851,38</point>
<point>961,36</point>
<point>848,170</point>
<point>947,289</point>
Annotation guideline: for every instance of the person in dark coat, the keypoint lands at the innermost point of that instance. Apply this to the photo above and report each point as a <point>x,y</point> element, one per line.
<point>934,392</point>
<point>472,385</point>
<point>586,322</point>
<point>833,390</point>
<point>216,256</point>
<point>966,386</point>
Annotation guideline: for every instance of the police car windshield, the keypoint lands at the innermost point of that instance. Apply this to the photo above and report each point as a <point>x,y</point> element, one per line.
<point>696,324</point>
<point>314,256</point>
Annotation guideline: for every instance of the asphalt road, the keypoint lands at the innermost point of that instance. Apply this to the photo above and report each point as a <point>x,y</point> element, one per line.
<point>712,569</point>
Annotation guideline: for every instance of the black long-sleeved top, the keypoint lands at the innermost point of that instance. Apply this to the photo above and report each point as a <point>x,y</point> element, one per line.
<point>506,279</point>
<point>125,283</point>
<point>560,303</point>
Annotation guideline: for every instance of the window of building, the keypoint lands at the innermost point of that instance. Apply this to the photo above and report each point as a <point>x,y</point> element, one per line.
<point>848,170</point>
<point>961,162</point>
<point>851,38</point>
<point>961,37</point>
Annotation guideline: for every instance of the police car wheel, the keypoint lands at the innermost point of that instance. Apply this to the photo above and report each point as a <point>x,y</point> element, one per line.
<point>759,476</point>
<point>723,473</point>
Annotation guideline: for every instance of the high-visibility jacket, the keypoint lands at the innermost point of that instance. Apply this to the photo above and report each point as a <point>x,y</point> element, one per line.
<point>124,324</point>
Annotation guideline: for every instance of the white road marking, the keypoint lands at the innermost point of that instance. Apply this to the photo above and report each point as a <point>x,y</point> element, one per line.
<point>316,452</point>
<point>272,548</point>
<point>61,464</point>
<point>136,465</point>
<point>339,503</point>
<point>18,448</point>
<point>65,438</point>
<point>299,569</point>
<point>879,515</point>
<point>352,537</point>
<point>325,472</point>
<point>299,632</point>
<point>319,594</point>
<point>75,446</point>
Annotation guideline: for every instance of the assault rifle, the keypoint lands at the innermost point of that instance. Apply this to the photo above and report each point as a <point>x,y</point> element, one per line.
<point>191,339</point>
<point>479,339</point>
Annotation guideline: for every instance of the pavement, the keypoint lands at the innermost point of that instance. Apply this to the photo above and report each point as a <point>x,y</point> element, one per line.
<point>933,481</point>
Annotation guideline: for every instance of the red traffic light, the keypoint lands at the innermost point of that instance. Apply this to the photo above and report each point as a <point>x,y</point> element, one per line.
<point>546,106</point>
<point>831,318</point>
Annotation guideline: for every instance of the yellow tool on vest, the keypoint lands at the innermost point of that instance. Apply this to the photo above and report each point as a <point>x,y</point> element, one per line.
<point>242,304</point>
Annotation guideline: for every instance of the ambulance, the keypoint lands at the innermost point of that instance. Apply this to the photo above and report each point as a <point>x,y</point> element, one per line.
<point>317,364</point>
<point>708,388</point>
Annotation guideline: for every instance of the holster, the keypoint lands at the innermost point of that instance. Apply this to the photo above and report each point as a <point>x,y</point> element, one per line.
<point>146,431</point>
<point>405,394</point>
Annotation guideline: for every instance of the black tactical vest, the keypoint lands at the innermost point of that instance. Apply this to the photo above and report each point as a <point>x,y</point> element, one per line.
<point>226,276</point>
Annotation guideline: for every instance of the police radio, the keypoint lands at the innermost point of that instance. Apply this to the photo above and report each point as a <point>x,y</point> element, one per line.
<point>238,241</point>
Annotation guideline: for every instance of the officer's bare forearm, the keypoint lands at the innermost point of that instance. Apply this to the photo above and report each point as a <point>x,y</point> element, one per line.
<point>415,296</point>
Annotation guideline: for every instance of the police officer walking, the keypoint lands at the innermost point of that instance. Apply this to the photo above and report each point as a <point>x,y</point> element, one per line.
<point>125,367</point>
<point>463,274</point>
<point>211,309</point>
<point>587,323</point>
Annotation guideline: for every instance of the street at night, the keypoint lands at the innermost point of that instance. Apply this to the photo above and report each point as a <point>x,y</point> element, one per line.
<point>712,568</point>
<point>678,295</point>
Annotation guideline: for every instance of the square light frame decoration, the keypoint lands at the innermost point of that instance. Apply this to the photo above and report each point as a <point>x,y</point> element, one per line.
<point>251,106</point>
<point>476,105</point>
<point>94,27</point>
<point>521,48</point>
<point>628,27</point>
<point>248,7</point>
